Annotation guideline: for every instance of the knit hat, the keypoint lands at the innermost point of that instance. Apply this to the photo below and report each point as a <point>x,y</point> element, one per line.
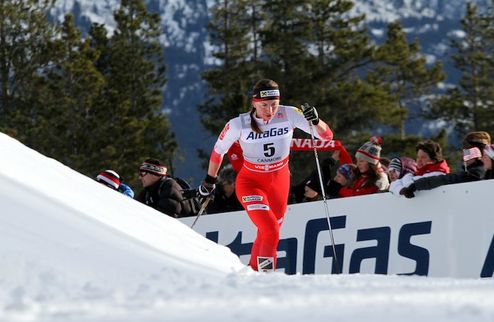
<point>470,154</point>
<point>154,167</point>
<point>346,170</point>
<point>109,178</point>
<point>403,165</point>
<point>395,165</point>
<point>371,150</point>
<point>477,139</point>
<point>314,185</point>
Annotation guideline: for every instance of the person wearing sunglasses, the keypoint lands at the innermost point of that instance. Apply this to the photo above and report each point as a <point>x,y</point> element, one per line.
<point>160,191</point>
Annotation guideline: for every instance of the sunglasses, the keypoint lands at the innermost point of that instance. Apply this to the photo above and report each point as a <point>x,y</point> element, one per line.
<point>142,174</point>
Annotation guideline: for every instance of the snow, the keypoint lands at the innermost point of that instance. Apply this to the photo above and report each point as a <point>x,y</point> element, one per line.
<point>74,250</point>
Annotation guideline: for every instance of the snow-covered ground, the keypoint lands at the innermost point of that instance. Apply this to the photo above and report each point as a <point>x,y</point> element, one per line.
<point>73,250</point>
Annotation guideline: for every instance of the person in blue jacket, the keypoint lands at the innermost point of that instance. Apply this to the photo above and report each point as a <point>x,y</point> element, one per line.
<point>113,180</point>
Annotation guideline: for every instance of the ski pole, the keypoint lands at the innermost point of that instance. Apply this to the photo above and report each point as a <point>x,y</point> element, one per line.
<point>326,207</point>
<point>203,208</point>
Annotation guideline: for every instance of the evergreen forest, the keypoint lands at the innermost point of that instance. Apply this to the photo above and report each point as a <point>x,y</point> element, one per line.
<point>94,100</point>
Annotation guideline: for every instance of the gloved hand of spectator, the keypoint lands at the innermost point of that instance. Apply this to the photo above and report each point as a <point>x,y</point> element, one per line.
<point>310,113</point>
<point>207,187</point>
<point>409,191</point>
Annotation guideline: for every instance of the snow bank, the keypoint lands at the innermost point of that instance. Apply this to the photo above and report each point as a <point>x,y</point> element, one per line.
<point>74,250</point>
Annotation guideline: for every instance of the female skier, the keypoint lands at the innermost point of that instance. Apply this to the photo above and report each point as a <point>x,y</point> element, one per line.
<point>263,183</point>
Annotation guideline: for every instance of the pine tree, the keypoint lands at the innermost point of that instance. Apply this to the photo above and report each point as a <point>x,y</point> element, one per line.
<point>70,97</point>
<point>343,52</point>
<point>403,72</point>
<point>318,53</point>
<point>25,35</point>
<point>285,35</point>
<point>133,127</point>
<point>470,105</point>
<point>233,33</point>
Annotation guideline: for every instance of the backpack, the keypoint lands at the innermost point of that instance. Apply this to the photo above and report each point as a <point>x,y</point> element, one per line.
<point>193,203</point>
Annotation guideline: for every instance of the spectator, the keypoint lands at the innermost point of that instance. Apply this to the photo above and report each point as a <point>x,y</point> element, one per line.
<point>298,191</point>
<point>400,166</point>
<point>225,199</point>
<point>312,189</point>
<point>487,160</point>
<point>113,180</point>
<point>481,140</point>
<point>370,177</point>
<point>430,163</point>
<point>345,176</point>
<point>160,191</point>
<point>473,170</point>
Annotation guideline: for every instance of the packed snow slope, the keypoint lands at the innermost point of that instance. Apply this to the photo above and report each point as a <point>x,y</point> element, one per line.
<point>74,250</point>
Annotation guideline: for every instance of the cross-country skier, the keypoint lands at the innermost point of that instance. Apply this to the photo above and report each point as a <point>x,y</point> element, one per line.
<point>263,183</point>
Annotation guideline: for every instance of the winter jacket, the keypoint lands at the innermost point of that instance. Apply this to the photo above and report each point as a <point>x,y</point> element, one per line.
<point>126,190</point>
<point>165,195</point>
<point>473,172</point>
<point>361,186</point>
<point>433,167</point>
<point>222,203</point>
<point>429,170</point>
<point>358,188</point>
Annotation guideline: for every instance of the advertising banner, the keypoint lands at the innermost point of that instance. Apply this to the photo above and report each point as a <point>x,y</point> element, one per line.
<point>445,232</point>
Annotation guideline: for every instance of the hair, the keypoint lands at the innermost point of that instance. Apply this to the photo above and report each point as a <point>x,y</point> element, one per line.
<point>260,84</point>
<point>372,174</point>
<point>477,139</point>
<point>433,150</point>
<point>153,161</point>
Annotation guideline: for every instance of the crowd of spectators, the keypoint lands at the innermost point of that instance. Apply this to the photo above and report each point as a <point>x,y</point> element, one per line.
<point>371,173</point>
<point>404,175</point>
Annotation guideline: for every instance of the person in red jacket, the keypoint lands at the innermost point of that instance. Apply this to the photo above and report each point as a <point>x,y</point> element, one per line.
<point>430,162</point>
<point>370,176</point>
<point>263,182</point>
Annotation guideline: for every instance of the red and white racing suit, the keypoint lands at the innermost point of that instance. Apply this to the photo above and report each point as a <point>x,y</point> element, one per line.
<point>263,183</point>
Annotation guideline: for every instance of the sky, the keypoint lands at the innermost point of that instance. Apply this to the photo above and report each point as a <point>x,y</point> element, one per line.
<point>71,249</point>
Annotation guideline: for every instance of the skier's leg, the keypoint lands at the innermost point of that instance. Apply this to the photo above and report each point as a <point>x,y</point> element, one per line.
<point>255,252</point>
<point>264,249</point>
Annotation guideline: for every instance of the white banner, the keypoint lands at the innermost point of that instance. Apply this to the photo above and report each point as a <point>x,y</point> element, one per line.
<point>445,232</point>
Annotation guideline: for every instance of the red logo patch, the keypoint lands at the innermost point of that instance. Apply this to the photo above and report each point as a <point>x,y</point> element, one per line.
<point>225,129</point>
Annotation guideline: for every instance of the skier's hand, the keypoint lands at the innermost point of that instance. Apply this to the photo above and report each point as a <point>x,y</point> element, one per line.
<point>207,187</point>
<point>310,113</point>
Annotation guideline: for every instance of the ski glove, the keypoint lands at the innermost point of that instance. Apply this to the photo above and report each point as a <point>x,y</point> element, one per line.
<point>207,187</point>
<point>310,113</point>
<point>409,191</point>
